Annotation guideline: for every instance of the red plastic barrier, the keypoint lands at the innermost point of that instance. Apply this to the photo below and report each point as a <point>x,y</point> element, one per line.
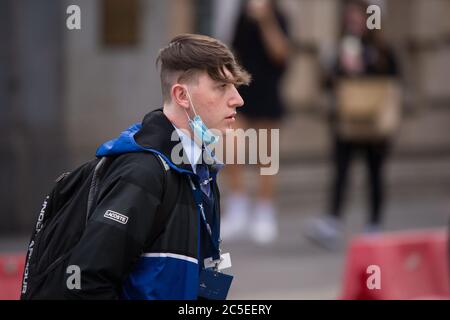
<point>402,265</point>
<point>11,270</point>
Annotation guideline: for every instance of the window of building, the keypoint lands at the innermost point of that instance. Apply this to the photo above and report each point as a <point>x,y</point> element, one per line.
<point>120,23</point>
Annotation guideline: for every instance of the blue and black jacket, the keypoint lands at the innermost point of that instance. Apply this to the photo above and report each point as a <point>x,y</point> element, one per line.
<point>122,253</point>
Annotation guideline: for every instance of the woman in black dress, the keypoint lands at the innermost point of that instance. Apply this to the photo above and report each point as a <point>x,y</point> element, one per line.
<point>261,45</point>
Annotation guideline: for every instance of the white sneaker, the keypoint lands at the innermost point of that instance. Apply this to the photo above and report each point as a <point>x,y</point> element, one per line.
<point>327,232</point>
<point>264,226</point>
<point>234,223</point>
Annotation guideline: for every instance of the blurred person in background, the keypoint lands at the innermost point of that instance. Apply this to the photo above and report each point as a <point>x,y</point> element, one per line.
<point>261,45</point>
<point>363,74</point>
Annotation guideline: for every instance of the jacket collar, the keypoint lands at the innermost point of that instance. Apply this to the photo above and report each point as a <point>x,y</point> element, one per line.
<point>159,134</point>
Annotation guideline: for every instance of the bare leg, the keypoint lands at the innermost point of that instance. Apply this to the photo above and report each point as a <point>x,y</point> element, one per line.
<point>265,223</point>
<point>237,203</point>
<point>266,190</point>
<point>234,172</point>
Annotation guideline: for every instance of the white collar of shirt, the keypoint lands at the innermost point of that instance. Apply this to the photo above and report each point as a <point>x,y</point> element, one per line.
<point>191,149</point>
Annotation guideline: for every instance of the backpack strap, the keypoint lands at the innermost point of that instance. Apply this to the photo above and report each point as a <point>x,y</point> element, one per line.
<point>167,203</point>
<point>99,170</point>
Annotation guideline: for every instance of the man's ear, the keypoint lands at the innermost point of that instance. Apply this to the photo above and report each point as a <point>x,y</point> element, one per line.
<point>179,95</point>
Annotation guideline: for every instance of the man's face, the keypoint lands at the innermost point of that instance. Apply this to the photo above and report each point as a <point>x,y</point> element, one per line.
<point>215,102</point>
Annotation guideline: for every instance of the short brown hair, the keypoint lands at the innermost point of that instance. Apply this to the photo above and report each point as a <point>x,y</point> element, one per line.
<point>187,54</point>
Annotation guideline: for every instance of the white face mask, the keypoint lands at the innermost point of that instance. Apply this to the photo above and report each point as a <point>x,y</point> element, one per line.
<point>197,125</point>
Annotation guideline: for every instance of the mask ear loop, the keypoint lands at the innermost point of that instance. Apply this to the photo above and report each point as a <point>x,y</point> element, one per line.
<point>187,115</point>
<point>192,104</point>
<point>193,108</point>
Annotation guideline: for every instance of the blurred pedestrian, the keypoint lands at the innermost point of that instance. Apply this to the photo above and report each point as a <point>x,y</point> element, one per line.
<point>363,120</point>
<point>262,47</point>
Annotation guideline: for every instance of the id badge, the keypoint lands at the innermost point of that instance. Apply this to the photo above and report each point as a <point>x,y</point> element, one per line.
<point>225,262</point>
<point>214,285</point>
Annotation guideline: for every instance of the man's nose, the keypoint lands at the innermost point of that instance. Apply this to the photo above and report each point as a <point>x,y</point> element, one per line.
<point>236,100</point>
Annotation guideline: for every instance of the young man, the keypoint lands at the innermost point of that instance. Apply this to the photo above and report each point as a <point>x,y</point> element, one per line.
<point>120,254</point>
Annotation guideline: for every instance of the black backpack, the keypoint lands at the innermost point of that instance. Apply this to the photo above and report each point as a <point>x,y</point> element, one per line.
<point>59,226</point>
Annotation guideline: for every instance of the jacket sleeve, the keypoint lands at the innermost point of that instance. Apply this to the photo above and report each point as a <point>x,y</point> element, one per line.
<point>116,233</point>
